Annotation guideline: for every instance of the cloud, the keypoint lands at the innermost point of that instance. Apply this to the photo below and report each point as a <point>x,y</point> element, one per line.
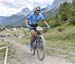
<point>6,11</point>
<point>9,7</point>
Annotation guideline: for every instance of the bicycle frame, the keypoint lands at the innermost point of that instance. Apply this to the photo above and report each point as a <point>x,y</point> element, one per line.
<point>39,44</point>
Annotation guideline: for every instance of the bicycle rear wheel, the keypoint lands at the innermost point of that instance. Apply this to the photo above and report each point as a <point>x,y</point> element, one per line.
<point>41,47</point>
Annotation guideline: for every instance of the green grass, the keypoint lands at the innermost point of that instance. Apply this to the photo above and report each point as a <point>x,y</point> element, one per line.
<point>3,51</point>
<point>25,39</point>
<point>67,34</point>
<point>61,41</point>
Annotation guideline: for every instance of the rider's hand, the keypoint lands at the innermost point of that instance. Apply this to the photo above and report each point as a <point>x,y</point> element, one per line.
<point>48,26</point>
<point>28,26</point>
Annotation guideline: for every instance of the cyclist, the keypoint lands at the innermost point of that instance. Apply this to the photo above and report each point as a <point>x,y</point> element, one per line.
<point>32,20</point>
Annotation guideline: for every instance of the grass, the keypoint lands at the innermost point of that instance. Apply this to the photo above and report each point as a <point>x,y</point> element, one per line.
<point>61,41</point>
<point>3,51</point>
<point>66,36</point>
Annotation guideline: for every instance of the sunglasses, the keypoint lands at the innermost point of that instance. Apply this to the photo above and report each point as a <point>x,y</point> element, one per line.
<point>37,10</point>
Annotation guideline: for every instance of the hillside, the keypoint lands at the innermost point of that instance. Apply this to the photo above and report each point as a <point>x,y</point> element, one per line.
<point>60,42</point>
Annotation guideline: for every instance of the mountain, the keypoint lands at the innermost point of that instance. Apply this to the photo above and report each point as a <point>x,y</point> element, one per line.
<point>15,19</point>
<point>57,3</point>
<point>19,18</point>
<point>53,9</point>
<point>24,12</point>
<point>10,20</point>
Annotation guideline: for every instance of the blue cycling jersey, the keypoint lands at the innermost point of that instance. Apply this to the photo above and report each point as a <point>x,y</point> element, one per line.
<point>34,19</point>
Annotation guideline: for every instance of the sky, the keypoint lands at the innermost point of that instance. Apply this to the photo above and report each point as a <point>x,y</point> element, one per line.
<point>10,7</point>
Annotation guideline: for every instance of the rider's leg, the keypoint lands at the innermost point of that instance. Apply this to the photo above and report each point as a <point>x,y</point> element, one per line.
<point>33,36</point>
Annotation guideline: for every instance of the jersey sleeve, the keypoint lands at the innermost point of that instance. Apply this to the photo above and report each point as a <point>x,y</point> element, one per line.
<point>42,17</point>
<point>29,16</point>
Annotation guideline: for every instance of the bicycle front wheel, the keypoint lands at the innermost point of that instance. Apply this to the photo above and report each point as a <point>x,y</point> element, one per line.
<point>33,48</point>
<point>41,47</point>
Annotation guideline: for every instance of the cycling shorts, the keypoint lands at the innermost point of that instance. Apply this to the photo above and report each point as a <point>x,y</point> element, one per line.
<point>34,27</point>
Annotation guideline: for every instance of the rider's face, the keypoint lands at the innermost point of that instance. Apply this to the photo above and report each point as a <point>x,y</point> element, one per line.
<point>37,11</point>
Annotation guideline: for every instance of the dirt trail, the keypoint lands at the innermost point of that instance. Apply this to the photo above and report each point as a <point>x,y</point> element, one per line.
<point>23,56</point>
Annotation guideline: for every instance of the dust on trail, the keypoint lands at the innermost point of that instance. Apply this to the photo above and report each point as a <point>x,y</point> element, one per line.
<point>23,56</point>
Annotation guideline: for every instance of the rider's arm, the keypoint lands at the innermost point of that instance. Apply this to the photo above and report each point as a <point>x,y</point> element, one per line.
<point>27,23</point>
<point>45,22</point>
<point>43,19</point>
<point>28,20</point>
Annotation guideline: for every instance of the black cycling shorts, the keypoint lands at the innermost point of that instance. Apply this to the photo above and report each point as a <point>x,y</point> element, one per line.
<point>34,27</point>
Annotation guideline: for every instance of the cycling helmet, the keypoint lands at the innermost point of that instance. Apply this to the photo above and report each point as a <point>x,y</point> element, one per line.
<point>37,8</point>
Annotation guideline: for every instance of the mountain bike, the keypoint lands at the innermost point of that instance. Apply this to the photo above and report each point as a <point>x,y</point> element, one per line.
<point>39,45</point>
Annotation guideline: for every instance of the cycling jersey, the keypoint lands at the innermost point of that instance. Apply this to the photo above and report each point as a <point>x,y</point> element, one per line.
<point>34,19</point>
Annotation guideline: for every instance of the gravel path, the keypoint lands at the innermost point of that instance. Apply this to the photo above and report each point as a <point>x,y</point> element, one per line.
<point>23,56</point>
